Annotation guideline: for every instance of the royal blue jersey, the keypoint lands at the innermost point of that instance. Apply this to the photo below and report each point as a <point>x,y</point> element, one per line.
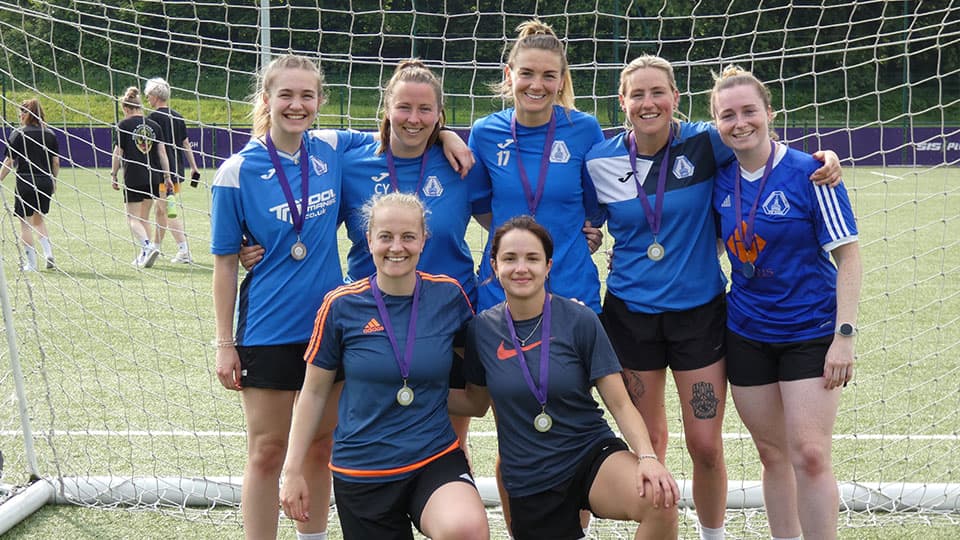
<point>280,295</point>
<point>792,295</point>
<point>377,439</point>
<point>689,274</point>
<point>447,198</point>
<point>568,198</point>
<point>580,353</point>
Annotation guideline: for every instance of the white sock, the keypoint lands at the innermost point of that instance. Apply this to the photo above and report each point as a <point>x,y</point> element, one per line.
<point>47,248</point>
<point>182,246</point>
<point>706,533</point>
<point>312,536</point>
<point>31,256</point>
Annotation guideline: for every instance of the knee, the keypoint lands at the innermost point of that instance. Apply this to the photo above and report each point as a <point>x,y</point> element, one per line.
<point>464,528</point>
<point>811,459</point>
<point>266,455</point>
<point>659,519</point>
<point>658,438</point>
<point>772,455</point>
<point>321,450</point>
<point>706,452</point>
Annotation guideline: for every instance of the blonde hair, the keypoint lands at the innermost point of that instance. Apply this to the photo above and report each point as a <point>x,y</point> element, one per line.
<point>264,82</point>
<point>395,199</point>
<point>413,71</point>
<point>535,34</point>
<point>645,61</point>
<point>33,111</point>
<point>158,88</point>
<point>131,98</point>
<point>733,75</point>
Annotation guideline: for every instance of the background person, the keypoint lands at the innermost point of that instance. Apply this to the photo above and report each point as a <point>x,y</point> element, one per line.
<point>791,313</point>
<point>174,133</point>
<point>140,151</point>
<point>538,355</point>
<point>396,458</point>
<point>34,151</point>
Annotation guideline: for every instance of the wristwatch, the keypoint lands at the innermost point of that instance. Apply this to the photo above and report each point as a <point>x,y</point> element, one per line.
<point>846,330</point>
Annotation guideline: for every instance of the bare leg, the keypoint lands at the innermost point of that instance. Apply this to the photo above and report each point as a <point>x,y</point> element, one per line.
<point>614,495</point>
<point>317,467</point>
<point>646,390</point>
<point>455,512</point>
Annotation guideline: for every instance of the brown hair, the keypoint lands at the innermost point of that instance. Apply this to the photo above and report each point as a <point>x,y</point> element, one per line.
<point>31,109</point>
<point>414,71</point>
<point>535,34</point>
<point>733,75</point>
<point>522,223</point>
<point>645,61</point>
<point>131,98</point>
<point>264,82</point>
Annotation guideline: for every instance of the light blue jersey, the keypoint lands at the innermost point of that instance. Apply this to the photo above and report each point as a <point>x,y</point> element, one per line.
<point>568,199</point>
<point>280,296</point>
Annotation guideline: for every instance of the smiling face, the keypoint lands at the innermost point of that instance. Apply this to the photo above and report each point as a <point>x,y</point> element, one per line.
<point>535,77</point>
<point>396,237</point>
<point>414,112</point>
<point>521,265</point>
<point>648,99</point>
<point>292,99</point>
<point>742,118</point>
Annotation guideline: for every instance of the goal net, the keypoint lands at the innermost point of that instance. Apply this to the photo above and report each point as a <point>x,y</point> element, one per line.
<point>108,392</point>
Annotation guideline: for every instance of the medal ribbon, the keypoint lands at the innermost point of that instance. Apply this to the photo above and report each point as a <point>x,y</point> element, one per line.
<point>748,230</point>
<point>539,392</point>
<point>402,361</point>
<point>296,216</point>
<point>533,200</point>
<point>654,216</point>
<point>395,178</point>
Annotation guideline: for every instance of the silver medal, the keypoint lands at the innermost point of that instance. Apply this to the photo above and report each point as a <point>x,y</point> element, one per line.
<point>405,395</point>
<point>748,270</point>
<point>655,251</point>
<point>542,422</point>
<point>298,251</point>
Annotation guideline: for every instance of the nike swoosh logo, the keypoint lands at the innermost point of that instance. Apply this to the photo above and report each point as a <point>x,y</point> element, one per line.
<point>505,354</point>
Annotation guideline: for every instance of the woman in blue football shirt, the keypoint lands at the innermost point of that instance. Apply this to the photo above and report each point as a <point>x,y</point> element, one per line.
<point>792,314</point>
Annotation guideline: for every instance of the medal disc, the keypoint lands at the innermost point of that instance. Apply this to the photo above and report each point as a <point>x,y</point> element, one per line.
<point>655,251</point>
<point>748,270</point>
<point>405,396</point>
<point>298,251</point>
<point>542,422</point>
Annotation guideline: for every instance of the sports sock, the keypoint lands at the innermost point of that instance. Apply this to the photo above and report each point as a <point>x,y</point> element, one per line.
<point>312,536</point>
<point>706,533</point>
<point>47,248</point>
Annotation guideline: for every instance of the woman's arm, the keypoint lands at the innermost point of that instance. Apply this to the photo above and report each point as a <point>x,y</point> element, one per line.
<point>224,301</point>
<point>294,495</point>
<point>6,167</point>
<point>457,152</point>
<point>831,173</point>
<point>838,368</point>
<point>634,430</point>
<point>115,161</point>
<point>188,151</point>
<point>473,400</point>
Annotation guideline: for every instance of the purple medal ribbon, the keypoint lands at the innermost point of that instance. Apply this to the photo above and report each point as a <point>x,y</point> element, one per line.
<point>533,200</point>
<point>296,215</point>
<point>654,216</point>
<point>395,178</point>
<point>539,392</point>
<point>402,361</point>
<point>748,231</point>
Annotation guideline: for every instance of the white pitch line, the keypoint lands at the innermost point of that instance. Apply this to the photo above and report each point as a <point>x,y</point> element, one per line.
<point>480,434</point>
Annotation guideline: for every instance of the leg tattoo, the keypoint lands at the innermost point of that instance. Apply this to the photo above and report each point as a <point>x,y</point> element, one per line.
<point>634,386</point>
<point>704,401</point>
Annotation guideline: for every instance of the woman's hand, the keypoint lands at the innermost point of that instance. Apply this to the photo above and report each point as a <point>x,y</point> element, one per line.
<point>838,368</point>
<point>457,152</point>
<point>831,173</point>
<point>593,235</point>
<point>228,367</point>
<point>665,490</point>
<point>295,497</point>
<point>250,255</point>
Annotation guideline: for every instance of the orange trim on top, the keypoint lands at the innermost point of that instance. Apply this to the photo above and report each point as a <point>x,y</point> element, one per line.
<point>314,345</point>
<point>398,470</point>
<point>443,278</point>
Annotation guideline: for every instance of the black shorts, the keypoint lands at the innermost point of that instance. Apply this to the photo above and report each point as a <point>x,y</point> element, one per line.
<point>140,193</point>
<point>277,367</point>
<point>755,363</point>
<point>683,340</point>
<point>555,513</point>
<point>33,195</point>
<point>384,510</point>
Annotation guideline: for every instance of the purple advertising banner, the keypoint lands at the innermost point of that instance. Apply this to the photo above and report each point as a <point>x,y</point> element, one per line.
<point>865,146</point>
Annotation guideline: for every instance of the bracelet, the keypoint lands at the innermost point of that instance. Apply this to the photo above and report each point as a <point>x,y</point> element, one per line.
<point>224,343</point>
<point>642,457</point>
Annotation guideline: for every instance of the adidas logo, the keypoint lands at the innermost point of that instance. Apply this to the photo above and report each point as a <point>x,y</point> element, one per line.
<point>373,325</point>
<point>726,202</point>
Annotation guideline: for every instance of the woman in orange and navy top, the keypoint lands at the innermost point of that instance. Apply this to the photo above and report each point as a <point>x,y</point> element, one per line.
<point>396,459</point>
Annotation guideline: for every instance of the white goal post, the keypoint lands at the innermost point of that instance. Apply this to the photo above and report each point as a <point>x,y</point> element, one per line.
<point>107,391</point>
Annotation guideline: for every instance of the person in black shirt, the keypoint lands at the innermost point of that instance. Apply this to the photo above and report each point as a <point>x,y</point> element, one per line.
<point>33,150</point>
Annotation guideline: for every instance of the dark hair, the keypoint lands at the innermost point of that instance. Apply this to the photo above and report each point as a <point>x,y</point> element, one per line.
<point>33,111</point>
<point>414,71</point>
<point>522,223</point>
